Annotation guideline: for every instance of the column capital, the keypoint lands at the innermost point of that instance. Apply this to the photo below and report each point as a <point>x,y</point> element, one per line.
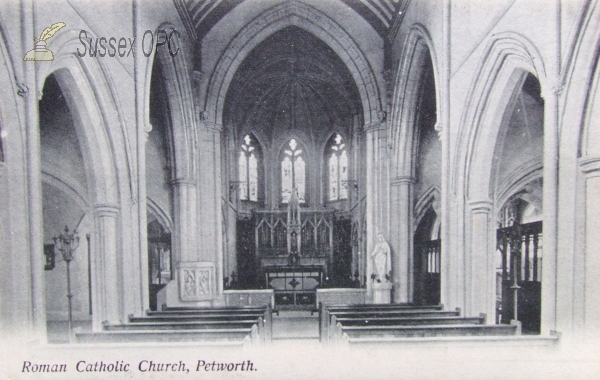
<point>482,206</point>
<point>590,165</point>
<point>212,126</point>
<point>183,182</point>
<point>374,127</point>
<point>402,180</point>
<point>106,209</point>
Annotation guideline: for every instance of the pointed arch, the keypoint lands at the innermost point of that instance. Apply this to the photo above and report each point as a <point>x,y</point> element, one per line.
<point>310,19</point>
<point>417,48</point>
<point>176,76</point>
<point>161,215</point>
<point>431,199</point>
<point>504,65</point>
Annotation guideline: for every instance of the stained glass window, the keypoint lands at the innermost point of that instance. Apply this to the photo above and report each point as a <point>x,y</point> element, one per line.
<point>293,172</point>
<point>248,169</point>
<point>337,168</point>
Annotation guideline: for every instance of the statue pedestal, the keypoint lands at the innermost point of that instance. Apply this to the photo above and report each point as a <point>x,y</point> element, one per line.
<point>382,292</point>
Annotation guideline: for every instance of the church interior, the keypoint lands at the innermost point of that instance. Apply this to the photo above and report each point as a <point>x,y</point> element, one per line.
<point>337,161</point>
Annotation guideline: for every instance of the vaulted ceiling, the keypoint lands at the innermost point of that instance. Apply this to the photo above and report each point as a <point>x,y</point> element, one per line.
<point>203,15</point>
<point>292,82</point>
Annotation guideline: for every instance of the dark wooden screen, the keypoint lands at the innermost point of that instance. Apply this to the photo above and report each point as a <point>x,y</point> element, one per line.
<point>159,261</point>
<point>427,272</point>
<point>341,269</point>
<point>520,247</point>
<point>248,276</point>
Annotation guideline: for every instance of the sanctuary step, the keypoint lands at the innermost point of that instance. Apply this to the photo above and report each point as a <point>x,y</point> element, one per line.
<point>246,325</point>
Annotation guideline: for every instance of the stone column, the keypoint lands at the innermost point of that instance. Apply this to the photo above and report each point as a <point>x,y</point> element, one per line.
<point>479,281</point>
<point>211,226</point>
<point>375,143</point>
<point>401,237</point>
<point>185,230</point>
<point>590,166</point>
<point>28,90</point>
<point>106,297</point>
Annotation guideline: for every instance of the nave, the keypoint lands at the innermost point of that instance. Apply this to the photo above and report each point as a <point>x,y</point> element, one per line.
<point>279,155</point>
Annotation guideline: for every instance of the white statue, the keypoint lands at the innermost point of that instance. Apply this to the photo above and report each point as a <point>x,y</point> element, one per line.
<point>381,258</point>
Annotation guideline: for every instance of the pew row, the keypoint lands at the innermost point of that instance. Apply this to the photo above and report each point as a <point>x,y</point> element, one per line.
<point>237,325</point>
<point>400,323</point>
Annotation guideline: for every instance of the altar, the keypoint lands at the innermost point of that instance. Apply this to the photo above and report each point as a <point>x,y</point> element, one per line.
<point>294,285</point>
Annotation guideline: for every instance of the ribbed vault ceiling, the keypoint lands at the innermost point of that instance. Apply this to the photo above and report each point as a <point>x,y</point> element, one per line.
<point>292,81</point>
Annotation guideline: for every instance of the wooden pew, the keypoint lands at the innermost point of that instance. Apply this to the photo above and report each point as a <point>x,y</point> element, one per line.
<point>422,331</point>
<point>344,325</point>
<point>237,334</point>
<point>374,311</point>
<point>411,321</point>
<point>249,325</point>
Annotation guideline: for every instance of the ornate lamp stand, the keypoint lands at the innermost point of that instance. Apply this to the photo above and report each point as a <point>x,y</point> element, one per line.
<point>66,244</point>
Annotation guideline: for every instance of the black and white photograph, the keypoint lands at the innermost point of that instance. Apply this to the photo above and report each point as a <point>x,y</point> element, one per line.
<point>300,189</point>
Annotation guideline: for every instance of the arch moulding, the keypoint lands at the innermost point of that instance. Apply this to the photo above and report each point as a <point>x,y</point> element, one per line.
<point>406,95</point>
<point>507,57</point>
<point>292,13</point>
<point>180,100</point>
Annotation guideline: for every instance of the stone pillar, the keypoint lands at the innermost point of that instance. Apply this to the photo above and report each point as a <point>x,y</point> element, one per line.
<point>480,279</point>
<point>375,147</point>
<point>106,297</point>
<point>590,166</point>
<point>199,222</point>
<point>184,206</point>
<point>550,206</point>
<point>401,237</point>
<point>28,90</point>
<point>211,225</point>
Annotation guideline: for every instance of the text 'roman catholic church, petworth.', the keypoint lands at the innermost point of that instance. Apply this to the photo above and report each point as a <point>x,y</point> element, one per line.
<point>294,154</point>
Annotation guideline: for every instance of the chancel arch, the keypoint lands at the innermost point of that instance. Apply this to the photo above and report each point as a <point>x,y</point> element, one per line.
<point>295,95</point>
<point>300,15</point>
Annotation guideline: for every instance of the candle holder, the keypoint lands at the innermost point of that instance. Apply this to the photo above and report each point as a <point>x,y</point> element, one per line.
<point>66,243</point>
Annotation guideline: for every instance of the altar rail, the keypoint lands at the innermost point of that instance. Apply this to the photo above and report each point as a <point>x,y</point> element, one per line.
<point>341,296</point>
<point>258,297</point>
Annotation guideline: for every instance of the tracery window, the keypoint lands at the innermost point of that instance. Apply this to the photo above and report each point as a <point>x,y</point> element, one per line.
<point>248,169</point>
<point>336,159</point>
<point>293,172</point>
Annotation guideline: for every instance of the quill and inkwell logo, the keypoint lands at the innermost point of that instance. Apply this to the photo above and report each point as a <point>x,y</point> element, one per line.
<point>41,52</point>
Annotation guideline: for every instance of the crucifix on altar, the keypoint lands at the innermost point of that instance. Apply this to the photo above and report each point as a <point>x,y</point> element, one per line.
<point>294,228</point>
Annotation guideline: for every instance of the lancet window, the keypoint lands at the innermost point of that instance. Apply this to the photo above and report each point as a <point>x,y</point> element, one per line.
<point>336,160</point>
<point>293,172</point>
<point>248,162</point>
